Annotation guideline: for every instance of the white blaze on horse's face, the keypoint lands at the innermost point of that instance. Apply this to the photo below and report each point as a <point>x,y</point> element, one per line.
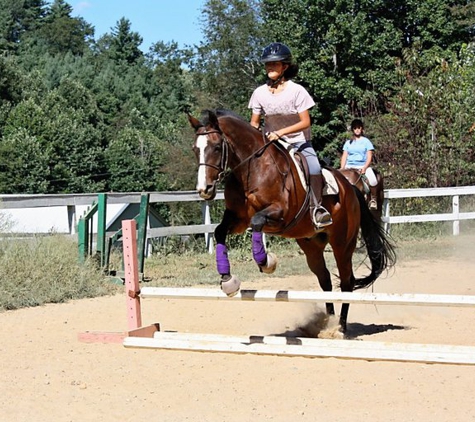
<point>201,142</point>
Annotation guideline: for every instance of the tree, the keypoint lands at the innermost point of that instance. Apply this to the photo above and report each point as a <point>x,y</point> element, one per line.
<point>134,158</point>
<point>122,45</point>
<point>427,138</point>
<point>65,125</point>
<point>171,89</point>
<point>225,63</point>
<point>59,33</point>
<point>17,17</point>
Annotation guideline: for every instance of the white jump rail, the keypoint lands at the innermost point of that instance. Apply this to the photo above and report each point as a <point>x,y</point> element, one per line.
<point>309,296</point>
<point>297,346</point>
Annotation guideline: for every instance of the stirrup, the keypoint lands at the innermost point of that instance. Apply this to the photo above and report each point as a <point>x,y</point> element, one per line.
<point>373,205</point>
<point>321,218</point>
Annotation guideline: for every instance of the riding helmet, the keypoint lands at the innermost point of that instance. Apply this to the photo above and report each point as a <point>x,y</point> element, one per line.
<point>276,52</point>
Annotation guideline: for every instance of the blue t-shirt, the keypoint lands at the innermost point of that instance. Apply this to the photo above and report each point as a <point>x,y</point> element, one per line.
<point>357,151</point>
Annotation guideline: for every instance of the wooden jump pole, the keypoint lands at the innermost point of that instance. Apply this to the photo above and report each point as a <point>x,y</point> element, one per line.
<point>308,347</point>
<point>309,296</point>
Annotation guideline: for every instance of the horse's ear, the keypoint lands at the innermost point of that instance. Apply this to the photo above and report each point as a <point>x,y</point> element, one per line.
<point>213,119</point>
<point>194,122</point>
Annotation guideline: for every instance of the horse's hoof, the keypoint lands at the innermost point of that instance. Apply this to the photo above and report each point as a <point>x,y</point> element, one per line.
<point>271,264</point>
<point>230,286</point>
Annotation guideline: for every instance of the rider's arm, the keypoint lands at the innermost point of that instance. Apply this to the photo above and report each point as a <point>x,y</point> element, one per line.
<point>343,159</point>
<point>255,120</point>
<point>369,158</point>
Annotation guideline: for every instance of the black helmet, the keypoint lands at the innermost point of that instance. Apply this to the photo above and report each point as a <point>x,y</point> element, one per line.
<point>357,123</point>
<point>276,52</point>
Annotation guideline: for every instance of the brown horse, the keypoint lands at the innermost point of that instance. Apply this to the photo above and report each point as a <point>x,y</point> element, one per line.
<point>263,191</point>
<point>369,192</point>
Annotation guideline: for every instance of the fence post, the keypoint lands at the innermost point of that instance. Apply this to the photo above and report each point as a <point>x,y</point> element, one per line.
<point>142,219</point>
<point>207,220</point>
<point>455,211</point>
<point>83,240</point>
<point>101,227</point>
<point>387,226</point>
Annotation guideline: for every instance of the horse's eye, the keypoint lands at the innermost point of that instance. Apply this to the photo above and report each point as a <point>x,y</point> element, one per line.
<point>218,148</point>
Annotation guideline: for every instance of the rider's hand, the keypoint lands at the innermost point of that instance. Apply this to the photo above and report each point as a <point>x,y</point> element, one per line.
<point>272,136</point>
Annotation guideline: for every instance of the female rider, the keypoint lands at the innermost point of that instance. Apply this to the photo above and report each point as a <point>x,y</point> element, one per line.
<point>358,154</point>
<point>285,106</point>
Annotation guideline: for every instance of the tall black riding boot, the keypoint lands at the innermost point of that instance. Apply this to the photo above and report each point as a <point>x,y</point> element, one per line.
<point>320,216</point>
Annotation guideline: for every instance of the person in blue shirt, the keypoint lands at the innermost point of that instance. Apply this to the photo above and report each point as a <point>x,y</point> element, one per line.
<point>358,154</point>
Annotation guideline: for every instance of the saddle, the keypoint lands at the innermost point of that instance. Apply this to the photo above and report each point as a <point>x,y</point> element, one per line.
<point>330,187</point>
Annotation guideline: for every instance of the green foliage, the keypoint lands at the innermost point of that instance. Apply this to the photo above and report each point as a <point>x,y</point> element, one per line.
<point>133,159</point>
<point>226,63</point>
<point>427,139</point>
<point>63,124</point>
<point>122,45</point>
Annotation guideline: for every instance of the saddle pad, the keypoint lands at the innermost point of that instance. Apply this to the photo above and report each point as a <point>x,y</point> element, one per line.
<point>330,187</point>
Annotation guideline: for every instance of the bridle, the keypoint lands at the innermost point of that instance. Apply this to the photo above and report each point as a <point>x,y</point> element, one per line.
<point>221,169</point>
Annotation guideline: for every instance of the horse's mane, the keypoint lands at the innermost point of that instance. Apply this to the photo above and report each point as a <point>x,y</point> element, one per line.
<point>220,112</point>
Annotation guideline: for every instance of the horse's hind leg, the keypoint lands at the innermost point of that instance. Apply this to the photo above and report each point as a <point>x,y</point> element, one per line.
<point>313,249</point>
<point>343,257</point>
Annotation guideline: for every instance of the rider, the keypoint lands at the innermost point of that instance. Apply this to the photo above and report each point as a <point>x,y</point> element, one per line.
<point>358,154</point>
<point>285,106</point>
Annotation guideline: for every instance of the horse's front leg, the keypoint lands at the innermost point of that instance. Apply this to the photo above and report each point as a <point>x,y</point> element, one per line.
<point>229,283</point>
<point>267,262</point>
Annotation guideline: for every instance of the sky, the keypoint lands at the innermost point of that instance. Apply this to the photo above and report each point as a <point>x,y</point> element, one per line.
<point>154,20</point>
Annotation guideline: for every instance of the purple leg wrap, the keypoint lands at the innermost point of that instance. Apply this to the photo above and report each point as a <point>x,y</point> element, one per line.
<point>222,261</point>
<point>258,250</point>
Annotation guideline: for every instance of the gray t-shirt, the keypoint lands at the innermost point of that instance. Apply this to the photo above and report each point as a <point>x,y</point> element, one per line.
<point>288,103</point>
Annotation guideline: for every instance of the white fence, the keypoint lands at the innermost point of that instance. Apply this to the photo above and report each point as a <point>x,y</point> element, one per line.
<point>74,204</point>
<point>455,216</point>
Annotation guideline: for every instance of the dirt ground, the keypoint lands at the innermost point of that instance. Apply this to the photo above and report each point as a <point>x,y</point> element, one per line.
<point>48,375</point>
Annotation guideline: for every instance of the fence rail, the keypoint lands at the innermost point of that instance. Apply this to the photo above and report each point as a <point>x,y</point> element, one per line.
<point>455,216</point>
<point>71,200</point>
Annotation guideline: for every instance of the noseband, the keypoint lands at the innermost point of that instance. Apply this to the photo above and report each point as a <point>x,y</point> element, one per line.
<point>224,154</point>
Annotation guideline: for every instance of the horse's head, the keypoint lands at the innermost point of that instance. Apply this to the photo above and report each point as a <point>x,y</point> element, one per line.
<point>211,153</point>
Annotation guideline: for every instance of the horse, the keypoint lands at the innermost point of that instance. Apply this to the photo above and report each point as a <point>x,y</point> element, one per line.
<point>263,192</point>
<point>357,179</point>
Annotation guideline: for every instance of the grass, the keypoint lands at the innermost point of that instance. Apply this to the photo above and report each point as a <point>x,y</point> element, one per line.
<point>43,270</point>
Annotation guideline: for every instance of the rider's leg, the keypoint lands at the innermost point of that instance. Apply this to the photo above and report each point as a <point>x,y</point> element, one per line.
<point>373,187</point>
<point>320,216</point>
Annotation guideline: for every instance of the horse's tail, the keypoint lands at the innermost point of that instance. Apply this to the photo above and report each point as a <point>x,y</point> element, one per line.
<point>380,249</point>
